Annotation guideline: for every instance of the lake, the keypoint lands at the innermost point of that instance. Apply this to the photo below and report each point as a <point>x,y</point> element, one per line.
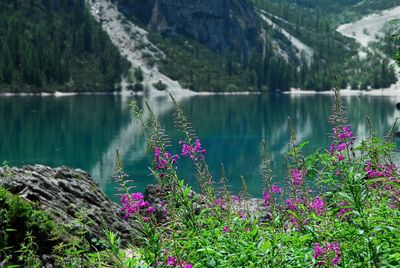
<point>84,131</point>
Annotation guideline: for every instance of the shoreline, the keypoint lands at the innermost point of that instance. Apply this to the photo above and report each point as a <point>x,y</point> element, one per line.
<point>388,92</point>
<point>125,93</point>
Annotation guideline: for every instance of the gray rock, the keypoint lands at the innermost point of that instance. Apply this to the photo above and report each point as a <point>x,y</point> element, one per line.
<point>222,25</point>
<point>66,193</point>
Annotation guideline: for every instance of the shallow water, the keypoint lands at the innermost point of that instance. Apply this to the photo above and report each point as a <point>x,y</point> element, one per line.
<point>84,131</point>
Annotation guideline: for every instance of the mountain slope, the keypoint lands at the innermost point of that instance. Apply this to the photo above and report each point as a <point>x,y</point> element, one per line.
<point>297,44</point>
<point>133,44</point>
<point>221,25</point>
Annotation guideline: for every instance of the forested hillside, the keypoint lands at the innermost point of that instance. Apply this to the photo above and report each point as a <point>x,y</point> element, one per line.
<point>49,45</point>
<point>263,45</point>
<point>314,23</point>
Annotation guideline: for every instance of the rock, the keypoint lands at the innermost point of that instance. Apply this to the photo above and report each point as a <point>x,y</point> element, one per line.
<point>222,25</point>
<point>66,193</point>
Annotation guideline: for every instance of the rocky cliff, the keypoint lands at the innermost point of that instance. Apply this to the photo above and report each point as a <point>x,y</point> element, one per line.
<point>220,24</point>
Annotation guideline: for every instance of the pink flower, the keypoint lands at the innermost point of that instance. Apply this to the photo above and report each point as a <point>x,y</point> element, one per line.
<point>318,251</point>
<point>291,206</point>
<point>219,202</point>
<point>324,255</point>
<point>340,157</point>
<point>184,265</point>
<point>194,151</point>
<point>226,229</point>
<point>332,148</point>
<point>343,210</point>
<point>317,205</point>
<point>132,203</point>
<point>162,162</point>
<point>171,261</point>
<point>341,147</point>
<point>235,198</point>
<point>276,189</point>
<point>150,210</point>
<point>266,198</point>
<point>297,176</point>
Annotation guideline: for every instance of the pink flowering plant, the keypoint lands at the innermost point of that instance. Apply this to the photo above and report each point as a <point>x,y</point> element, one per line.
<point>338,207</point>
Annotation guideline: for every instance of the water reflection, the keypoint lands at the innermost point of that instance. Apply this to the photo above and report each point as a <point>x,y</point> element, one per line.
<point>84,131</point>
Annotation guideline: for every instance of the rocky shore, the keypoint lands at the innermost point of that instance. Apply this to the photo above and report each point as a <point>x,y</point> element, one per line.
<point>66,194</point>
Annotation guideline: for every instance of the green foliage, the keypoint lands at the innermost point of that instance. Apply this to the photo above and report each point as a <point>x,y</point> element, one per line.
<point>53,45</point>
<point>344,203</point>
<point>23,229</point>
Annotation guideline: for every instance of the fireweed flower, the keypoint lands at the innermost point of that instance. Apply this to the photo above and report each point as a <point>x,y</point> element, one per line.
<point>380,170</point>
<point>318,251</point>
<point>184,265</point>
<point>195,151</point>
<point>150,210</point>
<point>330,253</point>
<point>266,198</point>
<point>132,204</point>
<point>276,189</point>
<point>163,161</point>
<point>332,148</point>
<point>345,141</point>
<point>171,261</point>
<point>297,176</point>
<point>235,199</point>
<point>290,204</point>
<point>220,202</point>
<point>317,205</point>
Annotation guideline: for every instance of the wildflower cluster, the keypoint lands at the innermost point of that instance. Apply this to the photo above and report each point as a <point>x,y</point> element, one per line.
<point>380,170</point>
<point>345,141</point>
<point>163,161</point>
<point>134,203</point>
<point>173,262</point>
<point>328,255</point>
<point>326,208</point>
<point>317,206</point>
<point>220,202</point>
<point>195,152</point>
<point>297,176</point>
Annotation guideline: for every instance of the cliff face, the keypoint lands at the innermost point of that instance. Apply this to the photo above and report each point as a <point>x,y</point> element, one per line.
<point>219,24</point>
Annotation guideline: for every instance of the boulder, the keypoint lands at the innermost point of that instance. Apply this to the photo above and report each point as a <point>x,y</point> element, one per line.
<point>66,194</point>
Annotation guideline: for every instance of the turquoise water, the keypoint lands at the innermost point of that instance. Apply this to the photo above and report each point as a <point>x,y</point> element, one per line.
<point>84,131</point>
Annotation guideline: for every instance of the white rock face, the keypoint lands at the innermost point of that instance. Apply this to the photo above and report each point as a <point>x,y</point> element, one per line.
<point>302,49</point>
<point>368,29</point>
<point>133,44</point>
